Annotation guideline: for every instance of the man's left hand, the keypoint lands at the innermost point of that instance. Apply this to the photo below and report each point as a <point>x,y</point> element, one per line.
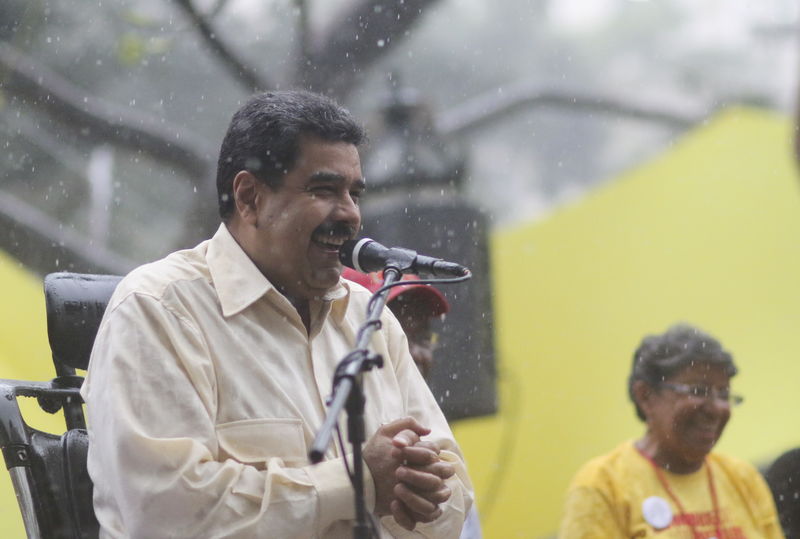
<point>420,487</point>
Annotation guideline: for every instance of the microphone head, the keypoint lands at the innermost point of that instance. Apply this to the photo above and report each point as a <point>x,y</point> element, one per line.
<point>350,252</point>
<point>346,253</point>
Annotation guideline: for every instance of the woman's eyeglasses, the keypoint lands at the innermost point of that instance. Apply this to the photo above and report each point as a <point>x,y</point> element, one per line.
<point>704,392</point>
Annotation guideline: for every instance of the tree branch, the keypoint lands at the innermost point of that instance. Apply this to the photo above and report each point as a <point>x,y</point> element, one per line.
<point>44,245</point>
<point>99,120</point>
<point>217,7</point>
<point>22,126</point>
<point>492,107</point>
<point>363,35</point>
<point>241,71</point>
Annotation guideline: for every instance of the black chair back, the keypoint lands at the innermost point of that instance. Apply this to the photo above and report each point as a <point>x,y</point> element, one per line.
<point>75,305</point>
<point>48,471</point>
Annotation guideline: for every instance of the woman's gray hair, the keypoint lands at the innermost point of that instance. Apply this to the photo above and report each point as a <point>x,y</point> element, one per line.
<point>659,357</point>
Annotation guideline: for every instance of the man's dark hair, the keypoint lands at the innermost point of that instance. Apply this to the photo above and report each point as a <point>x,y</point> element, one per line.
<point>661,356</point>
<point>264,137</point>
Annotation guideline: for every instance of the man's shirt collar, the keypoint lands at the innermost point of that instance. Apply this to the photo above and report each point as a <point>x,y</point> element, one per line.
<point>239,283</point>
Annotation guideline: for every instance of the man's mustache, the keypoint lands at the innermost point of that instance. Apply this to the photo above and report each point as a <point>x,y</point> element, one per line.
<point>336,228</point>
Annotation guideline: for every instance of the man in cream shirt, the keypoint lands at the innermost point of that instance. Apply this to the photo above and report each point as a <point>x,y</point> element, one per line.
<point>211,367</point>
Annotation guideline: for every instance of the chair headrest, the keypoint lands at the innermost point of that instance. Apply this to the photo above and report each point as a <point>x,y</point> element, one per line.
<point>75,305</point>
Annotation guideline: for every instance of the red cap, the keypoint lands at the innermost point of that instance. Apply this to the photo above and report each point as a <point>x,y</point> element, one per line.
<point>428,294</point>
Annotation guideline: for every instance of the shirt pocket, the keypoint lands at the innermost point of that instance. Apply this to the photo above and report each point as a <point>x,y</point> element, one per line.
<point>256,441</point>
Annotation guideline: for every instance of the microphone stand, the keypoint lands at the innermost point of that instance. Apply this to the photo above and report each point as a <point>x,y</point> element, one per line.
<point>348,394</point>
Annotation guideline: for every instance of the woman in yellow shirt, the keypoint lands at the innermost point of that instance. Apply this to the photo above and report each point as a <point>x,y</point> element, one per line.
<point>668,483</point>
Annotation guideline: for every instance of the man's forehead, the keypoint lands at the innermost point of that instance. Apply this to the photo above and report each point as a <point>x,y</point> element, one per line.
<point>324,161</point>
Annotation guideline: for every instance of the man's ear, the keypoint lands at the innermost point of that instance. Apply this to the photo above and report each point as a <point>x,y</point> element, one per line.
<point>245,197</point>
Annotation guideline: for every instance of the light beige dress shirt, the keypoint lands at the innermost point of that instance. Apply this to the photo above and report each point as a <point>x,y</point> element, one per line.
<point>205,391</point>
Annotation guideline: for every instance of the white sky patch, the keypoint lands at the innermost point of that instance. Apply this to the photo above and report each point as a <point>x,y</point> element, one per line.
<point>716,23</point>
<point>253,9</point>
<point>730,22</point>
<point>581,15</point>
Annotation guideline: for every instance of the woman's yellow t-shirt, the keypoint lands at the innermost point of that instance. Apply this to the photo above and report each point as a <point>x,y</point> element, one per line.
<point>607,500</point>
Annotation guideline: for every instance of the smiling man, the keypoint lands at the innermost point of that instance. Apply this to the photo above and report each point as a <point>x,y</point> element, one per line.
<point>210,370</point>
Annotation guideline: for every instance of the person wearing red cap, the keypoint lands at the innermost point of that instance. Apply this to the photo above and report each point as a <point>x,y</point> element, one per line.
<point>415,306</point>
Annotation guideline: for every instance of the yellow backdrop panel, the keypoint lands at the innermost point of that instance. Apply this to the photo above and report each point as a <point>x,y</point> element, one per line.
<point>708,233</point>
<point>24,355</point>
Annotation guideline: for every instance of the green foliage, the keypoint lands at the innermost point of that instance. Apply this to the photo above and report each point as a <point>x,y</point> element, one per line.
<point>130,49</point>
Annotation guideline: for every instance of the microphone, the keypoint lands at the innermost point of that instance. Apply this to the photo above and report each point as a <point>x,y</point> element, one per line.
<point>367,255</point>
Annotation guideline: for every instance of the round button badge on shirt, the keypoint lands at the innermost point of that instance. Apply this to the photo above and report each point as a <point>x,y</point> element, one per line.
<point>657,512</point>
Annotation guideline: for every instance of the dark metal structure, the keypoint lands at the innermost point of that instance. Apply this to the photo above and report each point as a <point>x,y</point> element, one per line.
<point>414,201</point>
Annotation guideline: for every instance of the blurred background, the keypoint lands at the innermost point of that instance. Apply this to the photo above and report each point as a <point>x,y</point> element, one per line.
<point>606,167</point>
